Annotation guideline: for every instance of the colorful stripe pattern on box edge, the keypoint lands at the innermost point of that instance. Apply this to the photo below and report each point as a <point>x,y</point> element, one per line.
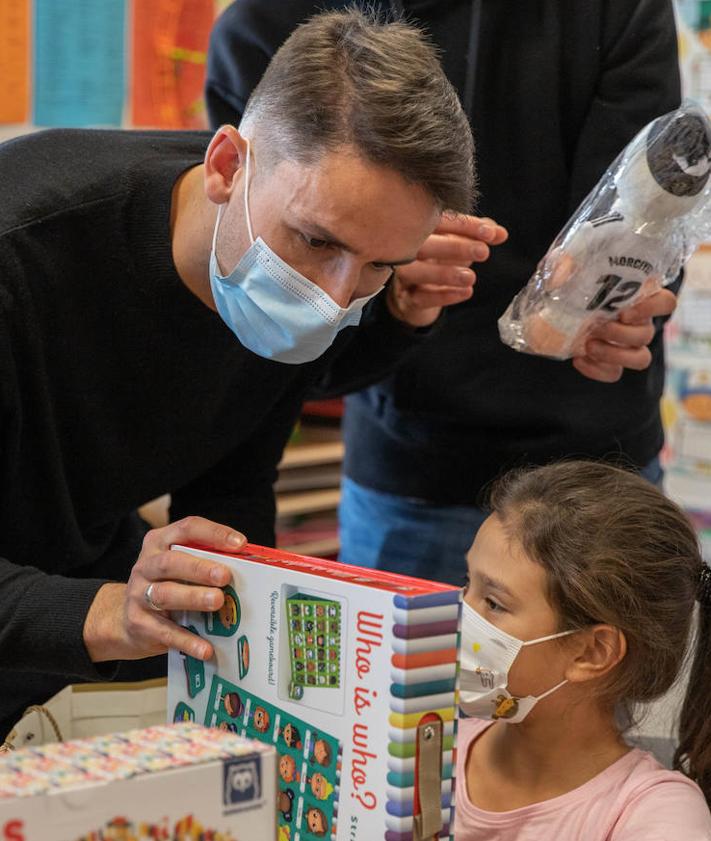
<point>413,695</point>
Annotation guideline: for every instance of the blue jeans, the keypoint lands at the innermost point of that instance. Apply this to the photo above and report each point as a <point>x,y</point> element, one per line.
<point>414,537</point>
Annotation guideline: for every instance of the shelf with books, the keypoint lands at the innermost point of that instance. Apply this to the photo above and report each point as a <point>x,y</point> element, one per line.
<point>308,485</point>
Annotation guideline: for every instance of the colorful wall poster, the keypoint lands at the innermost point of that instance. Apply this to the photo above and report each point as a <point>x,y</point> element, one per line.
<point>693,18</point>
<point>169,52</point>
<point>79,49</point>
<point>14,60</point>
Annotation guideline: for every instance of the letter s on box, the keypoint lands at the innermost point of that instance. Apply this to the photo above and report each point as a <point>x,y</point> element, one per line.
<point>13,831</point>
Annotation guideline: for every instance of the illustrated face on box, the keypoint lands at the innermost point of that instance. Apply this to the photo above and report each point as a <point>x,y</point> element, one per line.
<point>287,768</point>
<point>225,621</point>
<point>291,736</point>
<point>321,788</point>
<point>261,719</point>
<point>316,821</point>
<point>322,752</point>
<point>285,804</point>
<point>233,705</point>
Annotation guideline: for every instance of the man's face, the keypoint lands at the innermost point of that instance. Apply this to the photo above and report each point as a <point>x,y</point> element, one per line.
<point>344,223</point>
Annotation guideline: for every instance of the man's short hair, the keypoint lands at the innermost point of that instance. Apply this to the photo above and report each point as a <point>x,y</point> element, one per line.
<point>349,78</point>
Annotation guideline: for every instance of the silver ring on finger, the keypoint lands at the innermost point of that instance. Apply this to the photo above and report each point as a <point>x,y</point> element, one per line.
<point>148,596</point>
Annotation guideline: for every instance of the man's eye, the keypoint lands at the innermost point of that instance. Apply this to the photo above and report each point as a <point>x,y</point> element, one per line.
<point>382,267</point>
<point>314,242</point>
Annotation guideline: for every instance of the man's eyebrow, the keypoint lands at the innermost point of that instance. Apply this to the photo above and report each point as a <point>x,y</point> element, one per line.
<point>494,584</point>
<point>323,233</point>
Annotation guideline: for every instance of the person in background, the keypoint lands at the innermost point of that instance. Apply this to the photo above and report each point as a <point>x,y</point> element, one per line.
<point>166,300</point>
<point>554,90</point>
<point>579,608</point>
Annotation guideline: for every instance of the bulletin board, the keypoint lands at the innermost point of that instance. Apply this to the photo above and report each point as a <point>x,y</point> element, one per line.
<point>137,63</point>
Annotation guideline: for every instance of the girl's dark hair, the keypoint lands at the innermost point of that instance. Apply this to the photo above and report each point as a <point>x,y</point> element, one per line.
<point>618,552</point>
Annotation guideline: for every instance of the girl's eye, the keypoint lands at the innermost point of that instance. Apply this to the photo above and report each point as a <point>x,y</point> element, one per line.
<point>492,605</point>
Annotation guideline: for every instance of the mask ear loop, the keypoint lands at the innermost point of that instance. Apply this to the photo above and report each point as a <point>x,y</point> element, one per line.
<point>551,637</point>
<point>247,179</point>
<point>220,207</point>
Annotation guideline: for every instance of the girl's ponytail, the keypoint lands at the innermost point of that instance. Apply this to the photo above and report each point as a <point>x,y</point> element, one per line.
<point>693,756</point>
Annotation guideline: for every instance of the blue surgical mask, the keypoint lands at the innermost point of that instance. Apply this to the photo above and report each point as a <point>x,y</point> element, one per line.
<point>273,310</point>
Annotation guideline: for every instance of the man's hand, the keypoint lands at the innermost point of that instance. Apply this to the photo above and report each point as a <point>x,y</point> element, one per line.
<point>621,344</point>
<point>441,275</point>
<point>121,625</point>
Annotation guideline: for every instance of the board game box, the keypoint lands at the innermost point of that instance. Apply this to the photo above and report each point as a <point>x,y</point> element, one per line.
<point>170,783</point>
<point>351,674</point>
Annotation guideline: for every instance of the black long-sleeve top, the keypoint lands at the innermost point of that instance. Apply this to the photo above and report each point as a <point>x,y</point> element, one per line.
<point>118,385</point>
<point>554,90</point>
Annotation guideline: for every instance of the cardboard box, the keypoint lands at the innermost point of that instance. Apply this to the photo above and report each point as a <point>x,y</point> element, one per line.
<point>169,783</point>
<point>351,674</point>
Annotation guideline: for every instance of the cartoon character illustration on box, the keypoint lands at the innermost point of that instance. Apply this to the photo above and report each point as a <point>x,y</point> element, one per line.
<point>291,736</point>
<point>321,788</point>
<point>194,669</point>
<point>243,656</point>
<point>316,821</point>
<point>321,752</point>
<point>261,719</point>
<point>188,829</point>
<point>630,237</point>
<point>152,832</point>
<point>284,833</point>
<point>228,727</point>
<point>287,768</point>
<point>183,712</point>
<point>225,621</point>
<point>285,804</point>
<point>695,394</point>
<point>118,829</point>
<point>232,702</point>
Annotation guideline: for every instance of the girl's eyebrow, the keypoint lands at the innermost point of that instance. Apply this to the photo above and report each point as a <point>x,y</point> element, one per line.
<point>494,584</point>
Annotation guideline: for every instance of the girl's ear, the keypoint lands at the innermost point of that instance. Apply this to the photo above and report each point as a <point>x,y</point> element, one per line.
<point>596,651</point>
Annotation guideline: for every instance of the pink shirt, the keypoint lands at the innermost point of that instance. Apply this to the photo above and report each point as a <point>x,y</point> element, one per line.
<point>635,799</point>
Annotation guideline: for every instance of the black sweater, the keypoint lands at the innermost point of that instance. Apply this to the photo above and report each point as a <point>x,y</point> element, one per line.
<point>117,385</point>
<point>555,89</point>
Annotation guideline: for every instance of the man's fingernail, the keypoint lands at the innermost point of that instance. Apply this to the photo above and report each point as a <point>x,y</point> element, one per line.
<point>466,276</point>
<point>216,574</point>
<point>235,539</point>
<point>202,652</point>
<point>486,231</point>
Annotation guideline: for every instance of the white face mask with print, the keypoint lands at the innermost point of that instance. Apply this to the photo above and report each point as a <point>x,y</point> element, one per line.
<point>487,654</point>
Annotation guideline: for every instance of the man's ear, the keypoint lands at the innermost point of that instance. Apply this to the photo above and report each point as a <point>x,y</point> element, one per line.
<point>224,158</point>
<point>596,651</point>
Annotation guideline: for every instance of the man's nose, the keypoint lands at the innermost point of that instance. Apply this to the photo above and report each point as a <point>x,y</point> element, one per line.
<point>341,281</point>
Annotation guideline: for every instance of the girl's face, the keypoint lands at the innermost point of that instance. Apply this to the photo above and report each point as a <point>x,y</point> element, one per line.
<point>509,590</point>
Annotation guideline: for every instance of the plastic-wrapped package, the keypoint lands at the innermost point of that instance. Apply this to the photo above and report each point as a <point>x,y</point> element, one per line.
<point>628,239</point>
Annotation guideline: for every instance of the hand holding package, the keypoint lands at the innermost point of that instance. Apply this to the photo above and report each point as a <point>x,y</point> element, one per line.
<point>629,238</point>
